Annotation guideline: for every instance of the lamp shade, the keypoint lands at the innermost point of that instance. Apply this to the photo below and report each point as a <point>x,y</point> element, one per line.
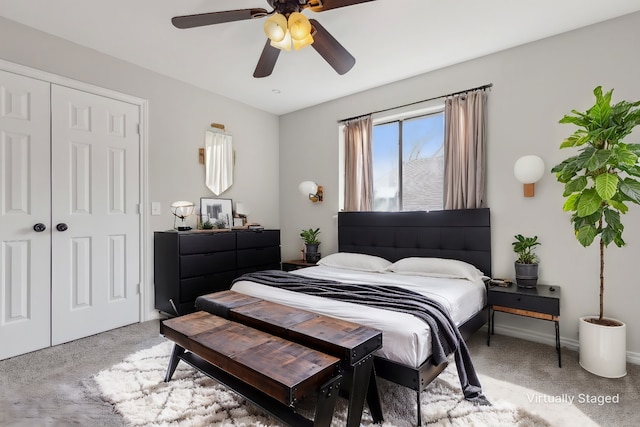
<point>299,26</point>
<point>528,169</point>
<point>182,208</point>
<point>308,187</point>
<point>276,27</point>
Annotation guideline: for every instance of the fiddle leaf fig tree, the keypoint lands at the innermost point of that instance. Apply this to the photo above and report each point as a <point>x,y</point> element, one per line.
<point>602,179</point>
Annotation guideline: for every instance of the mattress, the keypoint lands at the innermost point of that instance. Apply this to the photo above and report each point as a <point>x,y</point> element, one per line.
<point>405,338</point>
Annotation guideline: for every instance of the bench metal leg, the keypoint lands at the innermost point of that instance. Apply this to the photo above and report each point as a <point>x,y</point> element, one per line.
<point>360,385</point>
<point>327,402</point>
<point>173,362</point>
<point>373,399</point>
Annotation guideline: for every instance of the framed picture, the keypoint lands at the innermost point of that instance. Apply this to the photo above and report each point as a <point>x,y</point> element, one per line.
<point>218,211</point>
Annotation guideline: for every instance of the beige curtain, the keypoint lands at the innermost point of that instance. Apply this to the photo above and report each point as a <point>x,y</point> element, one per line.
<point>464,143</point>
<point>358,168</point>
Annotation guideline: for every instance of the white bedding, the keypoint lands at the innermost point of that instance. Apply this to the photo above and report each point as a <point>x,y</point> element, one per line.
<point>405,338</point>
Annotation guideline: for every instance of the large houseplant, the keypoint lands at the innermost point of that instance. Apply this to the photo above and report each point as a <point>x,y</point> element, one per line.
<point>526,265</point>
<point>311,242</point>
<point>600,181</point>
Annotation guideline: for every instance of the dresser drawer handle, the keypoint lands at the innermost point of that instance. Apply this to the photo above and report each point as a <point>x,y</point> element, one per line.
<point>517,299</point>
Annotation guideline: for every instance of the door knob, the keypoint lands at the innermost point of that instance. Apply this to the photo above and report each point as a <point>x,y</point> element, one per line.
<point>39,227</point>
<point>61,227</point>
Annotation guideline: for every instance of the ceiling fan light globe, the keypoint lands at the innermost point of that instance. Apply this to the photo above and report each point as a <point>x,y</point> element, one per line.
<point>299,26</point>
<point>284,44</point>
<point>276,27</point>
<point>299,44</point>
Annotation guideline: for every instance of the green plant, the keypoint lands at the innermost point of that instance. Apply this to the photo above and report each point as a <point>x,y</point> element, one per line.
<point>208,225</point>
<point>523,246</point>
<point>310,236</point>
<point>602,178</point>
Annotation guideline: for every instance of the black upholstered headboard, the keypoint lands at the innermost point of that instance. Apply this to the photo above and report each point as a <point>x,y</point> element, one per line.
<point>455,234</point>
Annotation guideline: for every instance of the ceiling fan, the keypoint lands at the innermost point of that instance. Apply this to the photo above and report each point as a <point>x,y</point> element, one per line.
<point>285,27</point>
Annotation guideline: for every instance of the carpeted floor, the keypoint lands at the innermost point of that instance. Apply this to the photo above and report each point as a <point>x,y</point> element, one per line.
<point>54,387</point>
<point>137,390</point>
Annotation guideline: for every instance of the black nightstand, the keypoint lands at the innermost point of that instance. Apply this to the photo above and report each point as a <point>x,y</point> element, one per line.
<point>541,302</point>
<point>295,264</point>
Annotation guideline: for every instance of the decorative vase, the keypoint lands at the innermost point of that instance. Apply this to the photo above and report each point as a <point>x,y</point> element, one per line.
<point>312,254</point>
<point>603,349</point>
<point>526,275</point>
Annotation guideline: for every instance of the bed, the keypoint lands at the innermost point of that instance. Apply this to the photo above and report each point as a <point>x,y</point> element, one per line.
<point>397,249</point>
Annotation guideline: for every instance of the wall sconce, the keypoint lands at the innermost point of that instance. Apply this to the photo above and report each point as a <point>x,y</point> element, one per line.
<point>311,189</point>
<point>528,170</point>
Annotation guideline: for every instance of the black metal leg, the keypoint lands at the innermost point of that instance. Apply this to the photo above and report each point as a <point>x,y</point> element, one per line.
<point>558,344</point>
<point>173,362</point>
<point>358,393</point>
<point>326,403</point>
<point>493,322</point>
<point>489,327</point>
<point>419,409</point>
<point>373,399</point>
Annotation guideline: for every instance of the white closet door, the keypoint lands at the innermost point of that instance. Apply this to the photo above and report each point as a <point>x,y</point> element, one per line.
<point>95,195</point>
<point>24,201</point>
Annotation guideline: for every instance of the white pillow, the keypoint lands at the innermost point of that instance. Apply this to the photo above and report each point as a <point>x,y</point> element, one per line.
<point>354,261</point>
<point>436,267</point>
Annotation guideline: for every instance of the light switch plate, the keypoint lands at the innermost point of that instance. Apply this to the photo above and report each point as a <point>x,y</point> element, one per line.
<point>155,208</point>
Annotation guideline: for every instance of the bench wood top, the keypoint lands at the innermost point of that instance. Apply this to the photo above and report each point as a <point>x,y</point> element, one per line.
<point>284,370</point>
<point>349,341</point>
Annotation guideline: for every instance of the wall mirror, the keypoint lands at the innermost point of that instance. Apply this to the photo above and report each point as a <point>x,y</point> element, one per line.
<point>218,155</point>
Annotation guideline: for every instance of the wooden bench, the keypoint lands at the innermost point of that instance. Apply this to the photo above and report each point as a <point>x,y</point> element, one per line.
<point>269,371</point>
<point>353,343</point>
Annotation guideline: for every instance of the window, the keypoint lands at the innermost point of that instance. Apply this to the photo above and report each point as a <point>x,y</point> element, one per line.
<point>408,163</point>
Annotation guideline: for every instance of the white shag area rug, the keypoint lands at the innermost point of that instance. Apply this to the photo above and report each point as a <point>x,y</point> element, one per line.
<point>136,389</point>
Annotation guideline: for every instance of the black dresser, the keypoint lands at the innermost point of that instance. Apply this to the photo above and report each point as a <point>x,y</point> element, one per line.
<point>188,264</point>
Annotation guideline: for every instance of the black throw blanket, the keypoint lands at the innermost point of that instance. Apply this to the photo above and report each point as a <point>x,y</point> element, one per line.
<point>445,336</point>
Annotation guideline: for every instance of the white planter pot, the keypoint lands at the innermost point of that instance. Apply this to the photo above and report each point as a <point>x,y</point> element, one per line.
<point>603,349</point>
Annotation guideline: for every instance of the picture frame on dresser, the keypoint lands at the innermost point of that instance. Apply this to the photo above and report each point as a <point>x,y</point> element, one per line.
<point>216,210</point>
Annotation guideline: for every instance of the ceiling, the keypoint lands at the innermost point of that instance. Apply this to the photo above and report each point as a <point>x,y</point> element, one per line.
<point>390,39</point>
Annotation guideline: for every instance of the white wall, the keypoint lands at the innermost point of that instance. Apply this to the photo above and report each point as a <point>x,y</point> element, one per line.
<point>533,87</point>
<point>178,115</point>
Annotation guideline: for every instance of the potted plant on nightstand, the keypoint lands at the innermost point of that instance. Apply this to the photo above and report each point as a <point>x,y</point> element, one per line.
<point>527,263</point>
<point>311,242</point>
<point>599,183</point>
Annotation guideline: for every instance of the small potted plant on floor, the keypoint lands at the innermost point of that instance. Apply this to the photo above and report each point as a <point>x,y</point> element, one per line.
<point>527,263</point>
<point>311,242</point>
<point>600,181</point>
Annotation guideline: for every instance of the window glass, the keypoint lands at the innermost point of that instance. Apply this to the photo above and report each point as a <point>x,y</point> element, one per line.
<point>416,183</point>
<point>385,167</point>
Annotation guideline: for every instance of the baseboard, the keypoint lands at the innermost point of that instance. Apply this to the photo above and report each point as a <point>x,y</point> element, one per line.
<point>550,339</point>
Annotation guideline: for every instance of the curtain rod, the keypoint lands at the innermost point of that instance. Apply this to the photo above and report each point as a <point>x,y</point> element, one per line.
<point>417,102</point>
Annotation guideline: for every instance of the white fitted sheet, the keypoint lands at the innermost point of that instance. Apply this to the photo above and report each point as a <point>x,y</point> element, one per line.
<point>405,338</point>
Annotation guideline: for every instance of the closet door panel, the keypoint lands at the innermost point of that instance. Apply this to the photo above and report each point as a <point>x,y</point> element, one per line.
<point>24,202</point>
<point>95,181</point>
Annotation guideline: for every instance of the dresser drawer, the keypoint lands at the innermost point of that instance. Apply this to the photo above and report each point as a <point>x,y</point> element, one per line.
<point>207,242</point>
<point>258,256</point>
<point>525,302</point>
<point>192,288</point>
<point>203,264</point>
<point>258,239</point>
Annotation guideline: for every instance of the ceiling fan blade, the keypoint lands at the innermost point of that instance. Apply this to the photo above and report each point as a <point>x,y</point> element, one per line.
<point>332,4</point>
<point>199,20</point>
<point>331,50</point>
<point>267,60</point>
